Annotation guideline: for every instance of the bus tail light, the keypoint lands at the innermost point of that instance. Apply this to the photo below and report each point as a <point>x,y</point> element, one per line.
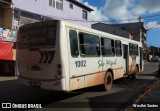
<point>59,66</point>
<point>59,72</point>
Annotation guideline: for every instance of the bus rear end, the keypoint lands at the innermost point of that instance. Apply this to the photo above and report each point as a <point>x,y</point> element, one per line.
<point>38,56</point>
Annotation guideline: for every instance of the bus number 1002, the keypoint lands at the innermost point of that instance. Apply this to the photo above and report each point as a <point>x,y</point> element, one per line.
<point>80,63</point>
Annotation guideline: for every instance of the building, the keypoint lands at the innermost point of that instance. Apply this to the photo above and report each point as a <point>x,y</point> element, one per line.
<point>112,30</point>
<point>135,31</point>
<point>139,33</point>
<point>7,39</point>
<point>39,10</point>
<point>15,13</point>
<point>154,50</point>
<point>137,28</point>
<point>5,13</point>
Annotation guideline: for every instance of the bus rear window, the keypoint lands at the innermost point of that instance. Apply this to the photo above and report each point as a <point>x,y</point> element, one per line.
<point>38,35</point>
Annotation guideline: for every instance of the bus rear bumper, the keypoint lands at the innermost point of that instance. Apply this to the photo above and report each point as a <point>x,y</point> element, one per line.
<point>49,84</point>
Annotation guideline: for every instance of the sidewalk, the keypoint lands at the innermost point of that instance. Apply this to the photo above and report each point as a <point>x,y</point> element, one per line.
<point>4,78</point>
<point>153,95</point>
<point>149,100</point>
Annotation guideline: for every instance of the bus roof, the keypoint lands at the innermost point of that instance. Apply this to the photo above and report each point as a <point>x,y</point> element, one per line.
<point>82,28</point>
<point>97,32</point>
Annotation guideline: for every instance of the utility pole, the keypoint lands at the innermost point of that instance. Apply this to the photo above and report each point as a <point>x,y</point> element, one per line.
<point>139,18</point>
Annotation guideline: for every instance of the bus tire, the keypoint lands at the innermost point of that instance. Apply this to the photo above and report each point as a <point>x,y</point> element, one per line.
<point>134,75</point>
<point>108,80</point>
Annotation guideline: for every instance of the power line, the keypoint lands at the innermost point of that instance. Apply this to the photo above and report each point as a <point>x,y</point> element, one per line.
<point>151,16</point>
<point>154,26</point>
<point>103,21</point>
<point>145,18</point>
<point>71,19</point>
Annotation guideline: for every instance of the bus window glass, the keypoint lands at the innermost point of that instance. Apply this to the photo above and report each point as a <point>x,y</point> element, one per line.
<point>73,43</point>
<point>118,48</point>
<point>40,35</point>
<point>89,45</point>
<point>136,50</point>
<point>107,47</point>
<point>131,49</point>
<point>95,44</point>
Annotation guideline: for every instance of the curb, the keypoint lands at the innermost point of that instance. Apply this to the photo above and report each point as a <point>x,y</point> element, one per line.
<point>3,78</point>
<point>145,91</point>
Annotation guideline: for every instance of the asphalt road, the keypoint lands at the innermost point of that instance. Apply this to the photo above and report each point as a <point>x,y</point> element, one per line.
<point>123,92</point>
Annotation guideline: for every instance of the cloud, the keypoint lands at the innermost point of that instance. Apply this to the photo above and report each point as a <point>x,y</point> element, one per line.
<point>129,9</point>
<point>150,5</point>
<point>147,7</point>
<point>139,10</point>
<point>118,9</point>
<point>97,14</point>
<point>123,11</point>
<point>152,25</point>
<point>80,0</point>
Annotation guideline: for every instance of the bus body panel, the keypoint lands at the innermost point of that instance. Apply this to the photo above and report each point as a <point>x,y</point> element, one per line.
<point>38,63</point>
<point>83,70</point>
<point>57,84</point>
<point>64,54</point>
<point>62,71</point>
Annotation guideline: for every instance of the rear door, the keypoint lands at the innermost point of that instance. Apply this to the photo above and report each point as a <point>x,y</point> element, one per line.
<point>125,59</point>
<point>141,58</point>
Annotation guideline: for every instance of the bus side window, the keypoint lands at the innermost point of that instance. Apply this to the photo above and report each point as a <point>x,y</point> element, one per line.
<point>131,49</point>
<point>107,47</point>
<point>95,45</point>
<point>73,43</point>
<point>113,47</point>
<point>102,47</point>
<point>136,50</point>
<point>118,48</point>
<point>81,40</point>
<point>89,45</point>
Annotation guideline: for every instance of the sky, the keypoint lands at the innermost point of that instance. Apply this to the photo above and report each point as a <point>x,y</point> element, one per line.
<point>126,11</point>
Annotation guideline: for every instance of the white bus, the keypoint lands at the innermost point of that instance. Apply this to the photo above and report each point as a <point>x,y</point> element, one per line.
<point>58,55</point>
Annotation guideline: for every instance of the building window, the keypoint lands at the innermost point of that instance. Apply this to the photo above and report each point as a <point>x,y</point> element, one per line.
<point>52,3</point>
<point>84,14</point>
<point>89,45</point>
<point>73,43</point>
<point>58,4</point>
<point>71,5</point>
<point>107,47</point>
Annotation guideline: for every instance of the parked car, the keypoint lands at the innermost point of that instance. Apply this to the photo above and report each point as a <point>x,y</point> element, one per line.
<point>155,58</point>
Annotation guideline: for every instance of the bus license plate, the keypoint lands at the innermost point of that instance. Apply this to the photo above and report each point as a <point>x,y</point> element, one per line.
<point>34,84</point>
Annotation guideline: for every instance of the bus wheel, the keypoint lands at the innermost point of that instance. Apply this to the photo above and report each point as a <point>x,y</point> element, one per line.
<point>134,75</point>
<point>108,81</point>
